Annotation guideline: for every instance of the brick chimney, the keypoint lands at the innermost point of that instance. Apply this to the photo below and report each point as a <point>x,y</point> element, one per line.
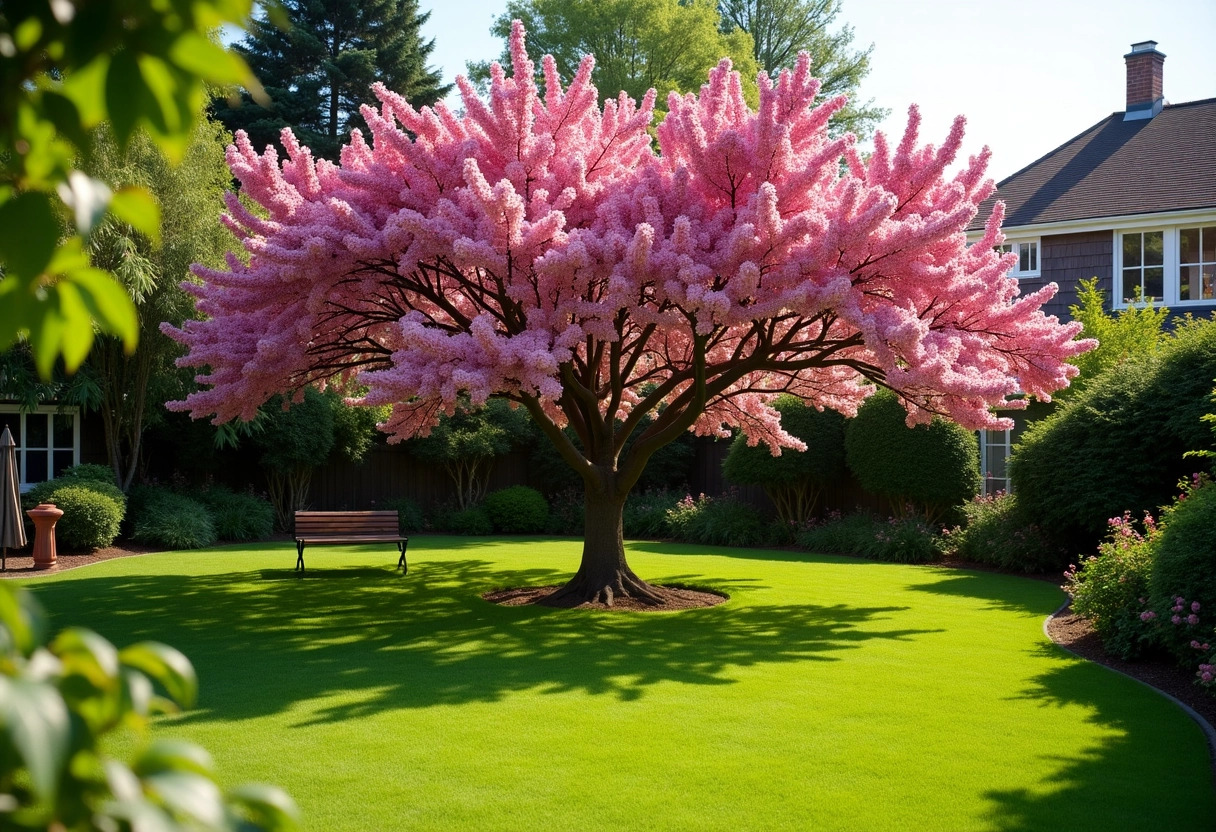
<point>1144,85</point>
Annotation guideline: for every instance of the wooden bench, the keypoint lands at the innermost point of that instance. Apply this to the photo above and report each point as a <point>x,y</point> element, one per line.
<point>340,528</point>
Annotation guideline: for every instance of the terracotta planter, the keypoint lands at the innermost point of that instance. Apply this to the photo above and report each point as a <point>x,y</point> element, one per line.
<point>45,516</point>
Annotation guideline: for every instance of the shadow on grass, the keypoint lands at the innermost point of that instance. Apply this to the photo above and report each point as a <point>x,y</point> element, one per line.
<point>262,641</point>
<point>1012,593</point>
<point>1110,773</point>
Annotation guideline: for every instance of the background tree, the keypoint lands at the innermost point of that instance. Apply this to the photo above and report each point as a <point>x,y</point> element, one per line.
<point>546,253</point>
<point>190,196</point>
<point>780,29</point>
<point>318,67</point>
<point>467,442</point>
<point>795,479</point>
<point>65,67</point>
<point>296,440</point>
<point>638,44</point>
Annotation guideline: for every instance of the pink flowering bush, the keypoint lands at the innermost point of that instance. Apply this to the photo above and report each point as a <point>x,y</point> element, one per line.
<point>1111,587</point>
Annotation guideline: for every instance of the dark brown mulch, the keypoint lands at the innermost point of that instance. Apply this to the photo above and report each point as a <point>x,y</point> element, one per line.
<point>20,562</point>
<point>678,598</point>
<point>1075,633</point>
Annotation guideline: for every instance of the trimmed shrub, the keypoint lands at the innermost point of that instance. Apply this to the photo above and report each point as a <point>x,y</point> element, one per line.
<point>91,518</point>
<point>724,521</point>
<point>44,492</point>
<point>91,472</point>
<point>1185,562</point>
<point>238,516</point>
<point>517,510</point>
<point>469,521</point>
<point>935,467</point>
<point>646,512</point>
<point>1093,459</point>
<point>997,531</point>
<point>898,540</point>
<point>409,514</point>
<point>172,520</point>
<point>1110,588</point>
<point>794,480</point>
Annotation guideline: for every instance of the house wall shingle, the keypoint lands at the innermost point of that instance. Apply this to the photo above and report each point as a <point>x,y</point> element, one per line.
<point>1067,259</point>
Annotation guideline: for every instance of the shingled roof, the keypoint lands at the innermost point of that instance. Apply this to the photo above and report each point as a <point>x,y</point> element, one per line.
<point>1117,168</point>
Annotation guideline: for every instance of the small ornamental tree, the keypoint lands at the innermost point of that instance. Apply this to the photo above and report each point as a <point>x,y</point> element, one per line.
<point>539,248</point>
<point>468,442</point>
<point>793,481</point>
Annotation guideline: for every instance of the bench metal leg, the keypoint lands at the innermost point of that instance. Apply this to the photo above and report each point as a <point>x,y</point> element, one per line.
<point>300,556</point>
<point>401,564</point>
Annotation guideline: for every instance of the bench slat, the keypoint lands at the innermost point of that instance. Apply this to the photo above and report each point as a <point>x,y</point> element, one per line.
<point>347,528</point>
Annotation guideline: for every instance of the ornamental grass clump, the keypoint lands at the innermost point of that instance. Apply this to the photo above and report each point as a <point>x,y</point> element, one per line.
<point>238,516</point>
<point>175,521</point>
<point>720,521</point>
<point>906,539</point>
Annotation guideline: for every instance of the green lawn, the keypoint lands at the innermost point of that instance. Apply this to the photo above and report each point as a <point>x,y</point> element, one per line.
<point>827,694</point>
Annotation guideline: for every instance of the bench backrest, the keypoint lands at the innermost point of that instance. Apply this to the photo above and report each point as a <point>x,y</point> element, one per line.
<point>345,522</point>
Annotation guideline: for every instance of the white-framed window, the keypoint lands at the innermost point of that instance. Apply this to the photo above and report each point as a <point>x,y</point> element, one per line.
<point>48,441</point>
<point>995,447</point>
<point>1172,265</point>
<point>1028,257</point>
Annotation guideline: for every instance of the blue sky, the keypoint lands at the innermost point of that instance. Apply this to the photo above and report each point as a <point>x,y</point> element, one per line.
<point>1028,75</point>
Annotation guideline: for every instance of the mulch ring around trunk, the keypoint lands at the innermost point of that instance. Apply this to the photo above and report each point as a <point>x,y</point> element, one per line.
<point>677,598</point>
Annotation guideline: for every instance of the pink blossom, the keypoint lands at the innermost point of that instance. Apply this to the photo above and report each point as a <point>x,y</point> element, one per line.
<point>539,247</point>
<point>1192,619</point>
<point>1177,619</point>
<point>1194,606</point>
<point>1147,615</point>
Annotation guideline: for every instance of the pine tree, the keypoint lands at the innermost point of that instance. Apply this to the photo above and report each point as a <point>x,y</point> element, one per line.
<point>319,69</point>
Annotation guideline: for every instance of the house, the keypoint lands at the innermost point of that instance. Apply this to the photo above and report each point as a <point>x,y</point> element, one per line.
<point>1131,201</point>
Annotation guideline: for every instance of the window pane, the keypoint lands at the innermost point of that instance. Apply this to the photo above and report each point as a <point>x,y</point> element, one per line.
<point>1131,250</point>
<point>1188,245</point>
<point>1208,283</point>
<point>35,466</point>
<point>1023,258</point>
<point>63,461</point>
<point>1209,245</point>
<point>1131,282</point>
<point>1188,288</point>
<point>64,434</point>
<point>1154,283</point>
<point>37,431</point>
<point>1154,248</point>
<point>12,421</point>
<point>1034,256</point>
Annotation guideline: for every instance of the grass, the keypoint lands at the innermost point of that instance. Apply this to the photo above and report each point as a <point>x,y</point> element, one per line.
<point>827,694</point>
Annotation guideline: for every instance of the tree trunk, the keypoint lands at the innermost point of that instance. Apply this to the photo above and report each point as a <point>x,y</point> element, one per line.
<point>604,576</point>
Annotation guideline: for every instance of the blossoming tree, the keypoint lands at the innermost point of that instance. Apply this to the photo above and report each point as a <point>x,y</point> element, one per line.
<point>540,249</point>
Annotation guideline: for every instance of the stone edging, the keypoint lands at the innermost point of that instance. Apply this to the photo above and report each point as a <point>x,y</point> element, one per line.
<point>1208,731</point>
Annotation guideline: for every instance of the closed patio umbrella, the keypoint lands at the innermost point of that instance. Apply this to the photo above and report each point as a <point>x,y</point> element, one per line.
<point>12,532</point>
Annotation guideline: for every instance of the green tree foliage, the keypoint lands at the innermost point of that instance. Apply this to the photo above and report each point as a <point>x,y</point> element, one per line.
<point>467,443</point>
<point>1119,444</point>
<point>66,67</point>
<point>319,67</point>
<point>638,44</point>
<point>794,480</point>
<point>1135,330</point>
<point>1184,562</point>
<point>60,703</point>
<point>191,197</point>
<point>780,29</point>
<point>932,468</point>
